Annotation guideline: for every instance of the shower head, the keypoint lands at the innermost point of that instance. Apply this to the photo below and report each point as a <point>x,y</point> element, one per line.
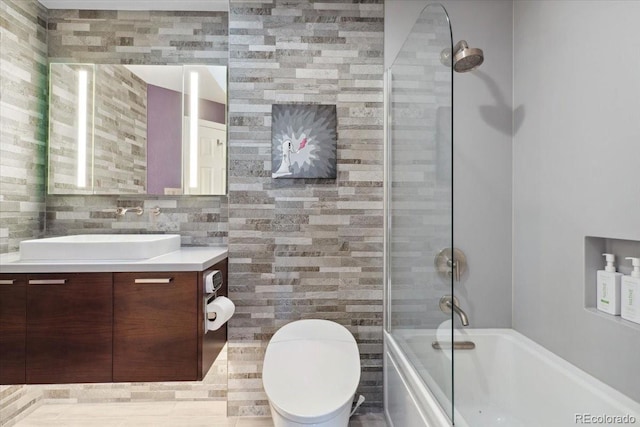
<point>465,58</point>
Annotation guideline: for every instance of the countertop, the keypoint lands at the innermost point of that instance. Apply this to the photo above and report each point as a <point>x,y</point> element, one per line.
<point>185,259</point>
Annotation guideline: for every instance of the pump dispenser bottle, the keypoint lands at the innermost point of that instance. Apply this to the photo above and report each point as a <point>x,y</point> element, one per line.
<point>630,304</point>
<point>608,291</point>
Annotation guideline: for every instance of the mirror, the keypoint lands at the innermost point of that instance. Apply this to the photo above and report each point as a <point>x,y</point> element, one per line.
<point>70,125</point>
<point>137,129</point>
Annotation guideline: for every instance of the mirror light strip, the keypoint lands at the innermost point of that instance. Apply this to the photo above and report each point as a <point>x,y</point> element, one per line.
<point>82,129</point>
<point>193,130</point>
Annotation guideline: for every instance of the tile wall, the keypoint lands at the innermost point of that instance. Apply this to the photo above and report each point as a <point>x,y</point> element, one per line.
<point>23,82</point>
<point>120,131</point>
<point>200,220</point>
<point>139,37</point>
<point>116,128</point>
<point>304,248</point>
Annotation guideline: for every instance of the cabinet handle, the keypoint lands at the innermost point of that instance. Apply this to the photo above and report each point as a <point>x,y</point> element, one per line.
<point>48,281</point>
<point>7,281</point>
<point>154,281</point>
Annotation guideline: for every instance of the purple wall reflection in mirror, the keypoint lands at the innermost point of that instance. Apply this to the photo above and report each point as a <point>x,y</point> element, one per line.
<point>164,136</point>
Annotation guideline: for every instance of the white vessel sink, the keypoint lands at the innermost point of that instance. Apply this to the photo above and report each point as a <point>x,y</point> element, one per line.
<point>99,247</point>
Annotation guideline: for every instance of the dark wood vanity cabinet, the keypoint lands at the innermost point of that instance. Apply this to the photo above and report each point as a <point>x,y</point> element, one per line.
<point>158,326</point>
<point>13,328</point>
<point>55,328</point>
<point>106,327</point>
<point>69,328</point>
<point>155,326</point>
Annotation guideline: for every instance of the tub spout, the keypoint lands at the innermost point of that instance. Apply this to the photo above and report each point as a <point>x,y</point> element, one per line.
<point>449,303</point>
<point>463,316</point>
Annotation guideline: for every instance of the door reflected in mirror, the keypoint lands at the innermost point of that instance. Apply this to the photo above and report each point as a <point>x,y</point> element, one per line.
<point>141,136</point>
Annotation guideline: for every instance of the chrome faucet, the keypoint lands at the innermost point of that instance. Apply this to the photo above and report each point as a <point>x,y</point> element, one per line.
<point>449,303</point>
<point>120,211</point>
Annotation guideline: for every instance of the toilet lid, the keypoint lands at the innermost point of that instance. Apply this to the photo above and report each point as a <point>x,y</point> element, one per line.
<point>311,370</point>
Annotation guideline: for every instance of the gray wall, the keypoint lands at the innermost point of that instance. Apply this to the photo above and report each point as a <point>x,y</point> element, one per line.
<point>23,79</point>
<point>482,149</point>
<point>576,174</point>
<point>304,248</point>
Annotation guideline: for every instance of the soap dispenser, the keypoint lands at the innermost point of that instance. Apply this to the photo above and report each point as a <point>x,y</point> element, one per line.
<point>608,291</point>
<point>630,304</point>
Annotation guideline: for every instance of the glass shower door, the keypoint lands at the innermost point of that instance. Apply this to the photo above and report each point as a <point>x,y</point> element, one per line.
<point>419,185</point>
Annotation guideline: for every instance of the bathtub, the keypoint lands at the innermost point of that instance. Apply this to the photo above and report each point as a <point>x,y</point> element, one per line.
<point>507,380</point>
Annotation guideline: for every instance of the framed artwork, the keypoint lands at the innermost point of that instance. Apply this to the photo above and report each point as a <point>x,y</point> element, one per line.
<point>303,141</point>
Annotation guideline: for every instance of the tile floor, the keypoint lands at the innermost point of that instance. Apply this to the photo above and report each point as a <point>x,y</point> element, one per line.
<point>156,414</point>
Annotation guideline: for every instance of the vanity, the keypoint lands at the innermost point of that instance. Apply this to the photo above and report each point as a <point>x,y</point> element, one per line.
<point>118,307</point>
<point>129,319</point>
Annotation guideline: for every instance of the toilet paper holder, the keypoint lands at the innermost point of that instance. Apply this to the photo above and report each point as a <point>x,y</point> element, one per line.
<point>218,310</point>
<point>212,284</point>
<point>210,315</point>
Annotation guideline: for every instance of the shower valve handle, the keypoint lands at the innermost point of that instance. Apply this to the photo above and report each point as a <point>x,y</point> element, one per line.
<point>451,263</point>
<point>455,269</point>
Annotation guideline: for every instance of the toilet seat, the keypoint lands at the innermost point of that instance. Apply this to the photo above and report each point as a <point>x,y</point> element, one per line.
<point>311,370</point>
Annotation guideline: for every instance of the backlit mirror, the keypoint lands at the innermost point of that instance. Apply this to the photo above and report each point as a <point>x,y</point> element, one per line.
<point>137,129</point>
<point>71,128</point>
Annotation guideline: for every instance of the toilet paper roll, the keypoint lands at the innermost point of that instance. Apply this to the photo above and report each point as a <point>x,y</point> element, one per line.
<point>224,308</point>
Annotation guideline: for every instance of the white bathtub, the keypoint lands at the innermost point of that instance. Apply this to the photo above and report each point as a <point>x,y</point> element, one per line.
<point>507,380</point>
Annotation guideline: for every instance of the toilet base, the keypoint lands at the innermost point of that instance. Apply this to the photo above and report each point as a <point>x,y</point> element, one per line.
<point>340,420</point>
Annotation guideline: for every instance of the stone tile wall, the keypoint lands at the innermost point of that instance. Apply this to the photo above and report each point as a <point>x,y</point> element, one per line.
<point>140,37</point>
<point>23,88</point>
<point>120,132</point>
<point>304,248</point>
<point>117,126</point>
<point>200,220</point>
<point>23,130</point>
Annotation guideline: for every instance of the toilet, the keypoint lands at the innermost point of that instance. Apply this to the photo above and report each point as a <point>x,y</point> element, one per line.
<point>310,374</point>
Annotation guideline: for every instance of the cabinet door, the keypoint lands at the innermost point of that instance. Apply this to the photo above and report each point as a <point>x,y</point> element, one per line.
<point>69,328</point>
<point>13,328</point>
<point>155,326</point>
